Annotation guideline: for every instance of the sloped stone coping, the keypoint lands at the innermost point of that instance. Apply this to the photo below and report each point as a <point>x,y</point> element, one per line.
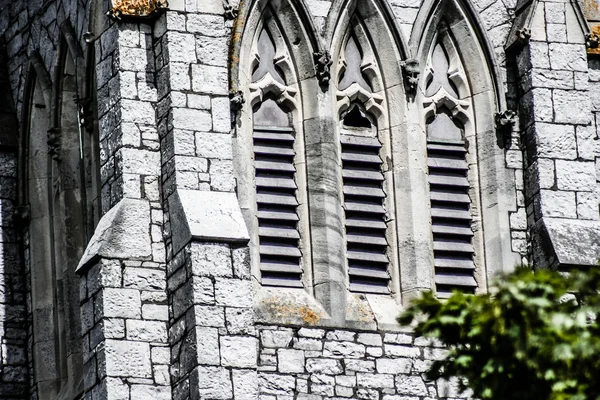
<point>207,216</point>
<point>296,307</point>
<point>567,242</point>
<point>123,232</point>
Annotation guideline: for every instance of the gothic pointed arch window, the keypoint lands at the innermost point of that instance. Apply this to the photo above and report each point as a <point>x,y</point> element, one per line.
<point>364,145</point>
<point>452,185</point>
<point>57,159</point>
<point>469,188</point>
<point>274,197</point>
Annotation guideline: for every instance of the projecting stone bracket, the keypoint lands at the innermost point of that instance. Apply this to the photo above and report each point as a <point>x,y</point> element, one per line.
<point>564,243</point>
<point>323,67</point>
<point>211,216</point>
<point>411,70</point>
<point>523,36</point>
<point>592,40</point>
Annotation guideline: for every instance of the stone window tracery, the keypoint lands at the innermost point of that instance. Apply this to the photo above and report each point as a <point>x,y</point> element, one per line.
<point>452,169</point>
<point>364,197</point>
<point>278,200</point>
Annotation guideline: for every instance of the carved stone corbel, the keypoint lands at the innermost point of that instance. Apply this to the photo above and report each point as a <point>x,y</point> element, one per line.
<point>411,70</point>
<point>323,63</point>
<point>21,216</point>
<point>230,10</point>
<point>523,36</point>
<point>505,119</point>
<point>236,102</point>
<point>592,40</point>
<point>54,143</point>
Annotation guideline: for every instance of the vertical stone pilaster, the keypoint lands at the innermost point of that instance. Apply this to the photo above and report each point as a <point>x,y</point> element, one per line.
<point>212,326</point>
<point>559,174</point>
<point>124,309</point>
<point>123,287</point>
<point>213,343</point>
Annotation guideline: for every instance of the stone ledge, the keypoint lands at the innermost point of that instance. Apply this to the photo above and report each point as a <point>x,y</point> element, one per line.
<point>207,216</point>
<point>566,242</point>
<point>296,307</point>
<point>123,232</point>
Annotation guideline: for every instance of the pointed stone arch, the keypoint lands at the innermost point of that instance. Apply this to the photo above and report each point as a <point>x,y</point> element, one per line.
<point>477,46</point>
<point>368,53</point>
<point>473,72</point>
<point>380,9</point>
<point>273,68</point>
<point>297,25</point>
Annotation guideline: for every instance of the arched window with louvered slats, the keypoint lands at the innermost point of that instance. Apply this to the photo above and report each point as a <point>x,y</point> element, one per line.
<point>276,150</point>
<point>364,193</point>
<point>451,183</point>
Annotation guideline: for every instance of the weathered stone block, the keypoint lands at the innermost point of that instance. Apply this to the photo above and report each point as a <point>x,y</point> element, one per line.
<point>121,303</point>
<point>324,366</point>
<point>146,331</point>
<point>394,365</point>
<point>343,350</point>
<point>276,338</point>
<point>211,382</point>
<point>378,381</point>
<point>233,292</point>
<point>576,175</point>
<point>127,359</point>
<point>411,385</point>
<point>239,351</point>
<point>290,361</point>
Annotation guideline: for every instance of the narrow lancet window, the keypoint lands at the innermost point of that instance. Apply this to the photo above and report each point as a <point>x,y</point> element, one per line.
<point>274,144</point>
<point>363,180</point>
<point>449,184</point>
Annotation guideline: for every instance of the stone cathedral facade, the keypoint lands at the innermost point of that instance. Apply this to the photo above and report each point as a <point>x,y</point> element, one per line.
<point>210,199</point>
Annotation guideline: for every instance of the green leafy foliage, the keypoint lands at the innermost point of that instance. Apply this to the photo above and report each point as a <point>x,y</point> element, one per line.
<point>535,337</point>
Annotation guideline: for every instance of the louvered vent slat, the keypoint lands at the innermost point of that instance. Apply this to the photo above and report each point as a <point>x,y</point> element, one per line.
<point>451,218</point>
<point>366,242</point>
<point>277,205</point>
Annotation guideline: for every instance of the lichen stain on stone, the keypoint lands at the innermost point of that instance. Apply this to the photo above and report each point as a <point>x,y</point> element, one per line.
<point>595,30</point>
<point>591,8</point>
<point>360,311</point>
<point>137,7</point>
<point>287,311</point>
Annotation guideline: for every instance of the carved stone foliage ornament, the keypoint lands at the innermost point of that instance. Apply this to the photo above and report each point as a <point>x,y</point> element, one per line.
<point>136,9</point>
<point>230,10</point>
<point>323,67</point>
<point>506,119</point>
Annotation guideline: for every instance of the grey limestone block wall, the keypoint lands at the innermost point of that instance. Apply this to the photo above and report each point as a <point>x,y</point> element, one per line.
<point>559,140</point>
<point>123,290</point>
<point>168,303</point>
<point>214,345</point>
<point>313,364</point>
